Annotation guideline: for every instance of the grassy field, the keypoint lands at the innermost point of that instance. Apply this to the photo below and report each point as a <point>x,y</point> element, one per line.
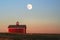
<point>33,36</point>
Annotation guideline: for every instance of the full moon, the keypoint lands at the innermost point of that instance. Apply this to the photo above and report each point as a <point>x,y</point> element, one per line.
<point>29,6</point>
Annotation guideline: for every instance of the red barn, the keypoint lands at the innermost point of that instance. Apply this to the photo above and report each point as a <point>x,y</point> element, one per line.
<point>17,28</point>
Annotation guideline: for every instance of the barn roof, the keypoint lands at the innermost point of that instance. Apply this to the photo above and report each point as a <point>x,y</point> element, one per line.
<point>17,26</point>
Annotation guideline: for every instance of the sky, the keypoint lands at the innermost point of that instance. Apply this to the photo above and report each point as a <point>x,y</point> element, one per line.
<point>43,18</point>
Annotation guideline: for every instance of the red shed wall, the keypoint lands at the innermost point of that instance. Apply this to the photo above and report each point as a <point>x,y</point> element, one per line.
<point>17,30</point>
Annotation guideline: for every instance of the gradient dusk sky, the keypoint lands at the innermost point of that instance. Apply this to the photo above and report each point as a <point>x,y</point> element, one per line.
<point>43,18</point>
